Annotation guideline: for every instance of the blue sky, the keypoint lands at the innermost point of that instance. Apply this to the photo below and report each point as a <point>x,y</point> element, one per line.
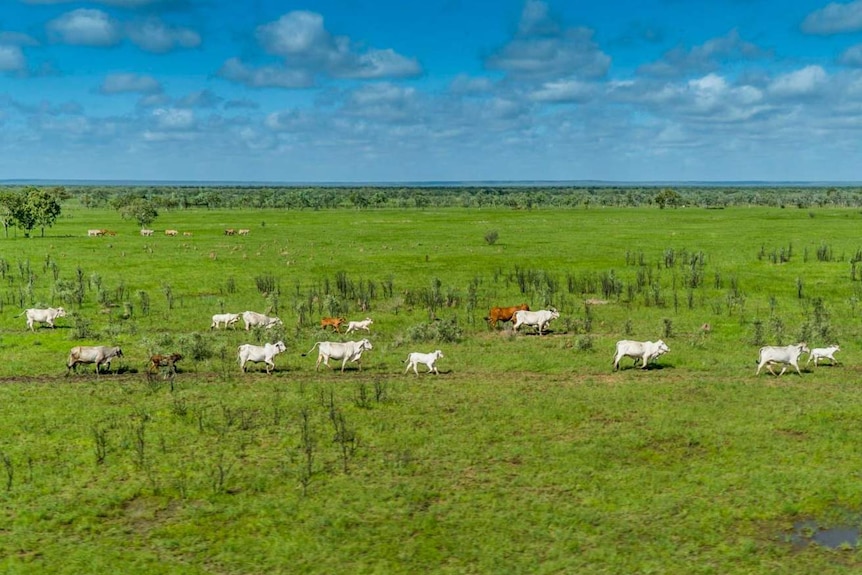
<point>438,90</point>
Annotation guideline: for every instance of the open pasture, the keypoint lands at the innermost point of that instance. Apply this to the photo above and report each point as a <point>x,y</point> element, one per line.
<point>526,453</point>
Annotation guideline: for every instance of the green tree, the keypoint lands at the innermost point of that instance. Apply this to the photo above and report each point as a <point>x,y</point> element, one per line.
<point>141,210</point>
<point>667,197</point>
<point>8,207</point>
<point>44,207</point>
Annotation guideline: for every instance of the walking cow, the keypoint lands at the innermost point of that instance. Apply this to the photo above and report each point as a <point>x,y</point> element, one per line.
<point>646,351</point>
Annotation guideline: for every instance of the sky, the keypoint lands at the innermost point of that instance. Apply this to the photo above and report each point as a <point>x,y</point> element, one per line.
<point>349,91</point>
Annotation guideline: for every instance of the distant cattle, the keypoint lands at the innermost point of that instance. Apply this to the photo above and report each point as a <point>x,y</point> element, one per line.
<point>357,325</point>
<point>504,313</point>
<point>538,319</point>
<point>169,361</point>
<point>345,351</point>
<point>108,232</point>
<point>100,355</point>
<point>146,233</point>
<point>243,232</point>
<point>230,232</point>
<point>95,233</point>
<point>171,232</point>
<point>228,319</point>
<point>253,319</point>
<point>785,355</point>
<point>187,234</point>
<point>333,322</point>
<point>257,353</point>
<point>645,351</point>
<point>46,316</point>
<point>427,359</point>
<point>820,353</point>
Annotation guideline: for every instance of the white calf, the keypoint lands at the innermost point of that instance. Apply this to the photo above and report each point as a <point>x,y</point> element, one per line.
<point>538,319</point>
<point>345,351</point>
<point>428,359</point>
<point>357,325</point>
<point>228,319</point>
<point>819,353</point>
<point>646,351</point>
<point>46,316</point>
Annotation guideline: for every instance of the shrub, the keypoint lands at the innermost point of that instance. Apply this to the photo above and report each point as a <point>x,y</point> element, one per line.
<point>491,237</point>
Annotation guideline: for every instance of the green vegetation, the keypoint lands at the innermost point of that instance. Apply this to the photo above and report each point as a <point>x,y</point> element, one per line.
<point>526,455</point>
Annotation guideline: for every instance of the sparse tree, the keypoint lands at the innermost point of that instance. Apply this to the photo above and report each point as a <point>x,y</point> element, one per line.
<point>141,210</point>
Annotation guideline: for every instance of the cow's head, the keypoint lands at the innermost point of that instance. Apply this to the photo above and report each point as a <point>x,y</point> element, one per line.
<point>662,347</point>
<point>365,344</point>
<point>118,352</point>
<point>803,347</point>
<point>438,354</point>
<point>279,346</point>
<point>61,312</point>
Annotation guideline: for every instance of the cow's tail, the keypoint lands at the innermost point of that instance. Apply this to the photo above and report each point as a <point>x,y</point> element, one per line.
<point>310,350</point>
<point>22,313</point>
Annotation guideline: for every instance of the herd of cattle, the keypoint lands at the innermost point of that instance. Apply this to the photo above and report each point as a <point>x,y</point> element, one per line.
<point>351,351</point>
<point>170,233</point>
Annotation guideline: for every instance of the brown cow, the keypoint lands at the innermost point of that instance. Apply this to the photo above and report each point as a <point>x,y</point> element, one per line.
<point>230,232</point>
<point>504,314</point>
<point>169,361</point>
<point>333,322</point>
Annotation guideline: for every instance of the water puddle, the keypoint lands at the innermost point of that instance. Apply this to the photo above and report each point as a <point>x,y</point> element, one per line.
<point>810,532</point>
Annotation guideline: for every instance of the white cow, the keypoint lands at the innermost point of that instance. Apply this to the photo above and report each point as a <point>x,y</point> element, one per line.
<point>428,359</point>
<point>256,353</point>
<point>228,319</point>
<point>357,325</point>
<point>46,316</point>
<point>99,354</point>
<point>253,319</point>
<point>646,351</point>
<point>819,353</point>
<point>345,351</point>
<point>95,233</point>
<point>146,233</point>
<point>785,355</point>
<point>539,319</point>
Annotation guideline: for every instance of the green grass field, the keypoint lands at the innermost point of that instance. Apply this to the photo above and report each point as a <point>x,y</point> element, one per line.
<point>526,455</point>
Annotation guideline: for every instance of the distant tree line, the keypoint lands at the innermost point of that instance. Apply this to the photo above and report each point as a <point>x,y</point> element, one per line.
<point>516,197</point>
<point>30,207</point>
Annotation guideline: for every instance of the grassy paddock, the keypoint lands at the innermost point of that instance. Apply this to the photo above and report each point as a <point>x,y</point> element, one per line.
<point>526,455</point>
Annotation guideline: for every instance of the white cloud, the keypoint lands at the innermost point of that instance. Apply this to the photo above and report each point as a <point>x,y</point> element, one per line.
<point>543,50</point>
<point>464,84</point>
<point>835,18</point>
<point>564,91</point>
<point>308,50</point>
<point>153,35</point>
<point>803,82</point>
<point>852,56</point>
<point>11,59</point>
<point>174,118</point>
<point>264,77</point>
<point>130,83</point>
<point>85,27</point>
<point>707,57</point>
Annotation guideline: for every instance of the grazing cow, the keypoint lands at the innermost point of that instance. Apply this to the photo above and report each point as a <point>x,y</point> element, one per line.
<point>345,351</point>
<point>256,353</point>
<point>187,234</point>
<point>243,232</point>
<point>171,232</point>
<point>539,319</point>
<point>169,361</point>
<point>645,351</point>
<point>333,322</point>
<point>819,353</point>
<point>229,232</point>
<point>46,316</point>
<point>357,325</point>
<point>99,354</point>
<point>253,319</point>
<point>95,233</point>
<point>429,359</point>
<point>228,319</point>
<point>785,355</point>
<point>108,232</point>
<point>504,314</point>
<point>146,233</point>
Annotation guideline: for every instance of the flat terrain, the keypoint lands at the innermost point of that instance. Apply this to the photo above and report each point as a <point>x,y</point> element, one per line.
<point>526,455</point>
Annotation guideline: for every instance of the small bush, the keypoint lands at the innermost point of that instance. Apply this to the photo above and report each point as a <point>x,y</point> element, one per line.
<point>491,237</point>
